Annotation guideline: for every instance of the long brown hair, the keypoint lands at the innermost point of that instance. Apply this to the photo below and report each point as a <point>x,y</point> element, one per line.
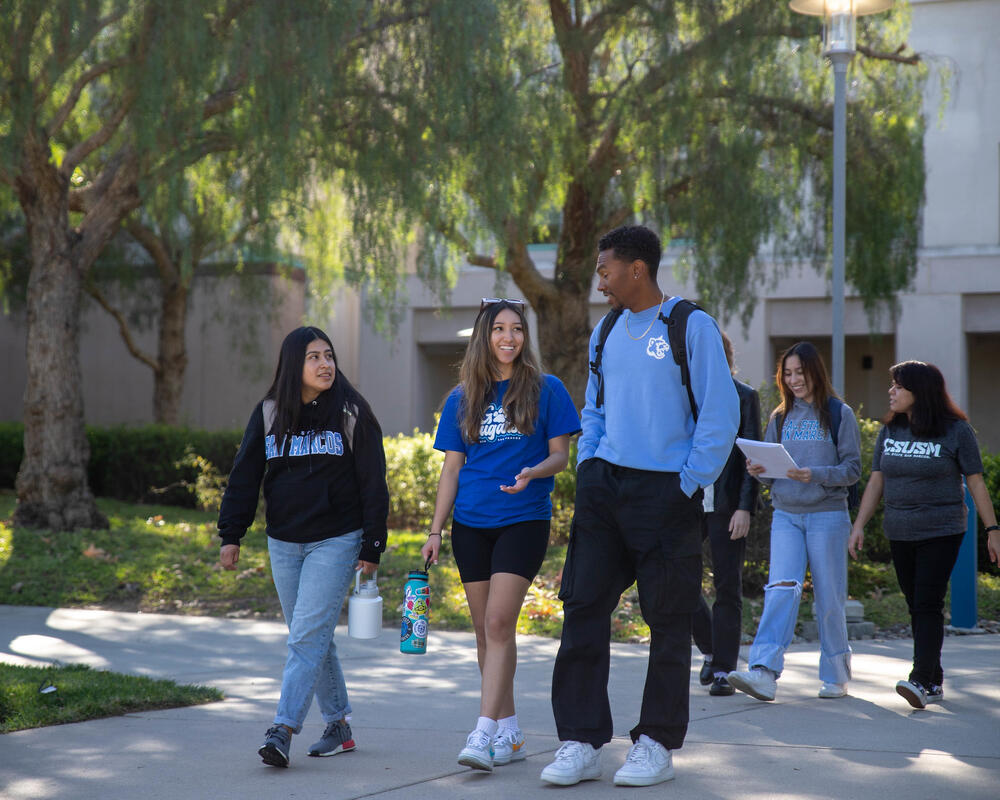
<point>480,372</point>
<point>933,407</point>
<point>816,376</point>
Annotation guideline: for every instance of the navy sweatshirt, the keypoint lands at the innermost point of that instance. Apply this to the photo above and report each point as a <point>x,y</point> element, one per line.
<point>316,486</point>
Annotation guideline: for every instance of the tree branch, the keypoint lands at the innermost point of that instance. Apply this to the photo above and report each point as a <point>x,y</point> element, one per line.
<point>92,74</point>
<point>81,150</point>
<point>896,56</point>
<point>83,40</point>
<point>155,247</point>
<point>123,328</point>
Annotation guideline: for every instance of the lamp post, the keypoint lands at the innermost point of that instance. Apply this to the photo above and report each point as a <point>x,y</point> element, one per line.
<point>839,28</point>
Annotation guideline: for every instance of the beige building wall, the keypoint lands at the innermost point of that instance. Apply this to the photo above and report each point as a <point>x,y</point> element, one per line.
<point>234,333</point>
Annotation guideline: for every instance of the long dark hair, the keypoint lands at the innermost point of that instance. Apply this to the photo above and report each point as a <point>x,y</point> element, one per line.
<point>932,408</point>
<point>816,376</point>
<point>480,372</point>
<point>286,389</point>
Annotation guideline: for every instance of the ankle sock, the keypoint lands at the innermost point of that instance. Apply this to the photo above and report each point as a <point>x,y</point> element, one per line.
<point>487,726</point>
<point>508,723</point>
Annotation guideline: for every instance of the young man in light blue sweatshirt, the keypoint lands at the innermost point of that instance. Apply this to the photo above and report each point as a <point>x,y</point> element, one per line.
<point>644,455</point>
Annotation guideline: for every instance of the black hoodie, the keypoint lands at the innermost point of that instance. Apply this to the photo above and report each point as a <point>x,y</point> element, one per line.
<point>315,487</point>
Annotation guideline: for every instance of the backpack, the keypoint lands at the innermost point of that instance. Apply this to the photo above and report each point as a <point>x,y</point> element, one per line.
<point>269,409</point>
<point>676,324</point>
<point>835,406</point>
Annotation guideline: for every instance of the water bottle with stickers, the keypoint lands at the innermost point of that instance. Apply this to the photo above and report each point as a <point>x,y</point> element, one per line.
<point>416,606</point>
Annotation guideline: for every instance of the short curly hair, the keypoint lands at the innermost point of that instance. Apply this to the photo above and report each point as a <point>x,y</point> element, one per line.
<point>631,242</point>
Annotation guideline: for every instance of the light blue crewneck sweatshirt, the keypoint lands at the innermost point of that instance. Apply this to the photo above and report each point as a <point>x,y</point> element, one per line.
<point>646,421</point>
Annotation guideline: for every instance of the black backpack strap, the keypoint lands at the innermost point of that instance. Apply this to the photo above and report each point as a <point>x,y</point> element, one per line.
<point>835,405</point>
<point>676,324</point>
<point>779,421</point>
<point>595,366</point>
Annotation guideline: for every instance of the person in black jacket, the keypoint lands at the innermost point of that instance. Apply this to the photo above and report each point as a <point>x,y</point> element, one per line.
<point>729,503</point>
<point>316,445</point>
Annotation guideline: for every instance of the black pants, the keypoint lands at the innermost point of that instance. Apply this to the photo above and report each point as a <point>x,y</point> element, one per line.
<point>630,525</point>
<point>717,630</point>
<point>923,569</point>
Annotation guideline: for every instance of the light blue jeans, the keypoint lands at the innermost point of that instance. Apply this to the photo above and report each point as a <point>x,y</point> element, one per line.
<point>821,539</point>
<point>312,580</point>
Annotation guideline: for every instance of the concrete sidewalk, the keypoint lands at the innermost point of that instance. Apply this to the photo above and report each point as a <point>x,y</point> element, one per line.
<point>412,713</point>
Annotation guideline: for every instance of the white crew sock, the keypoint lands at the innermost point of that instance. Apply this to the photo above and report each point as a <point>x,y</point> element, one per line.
<point>509,723</point>
<point>487,726</point>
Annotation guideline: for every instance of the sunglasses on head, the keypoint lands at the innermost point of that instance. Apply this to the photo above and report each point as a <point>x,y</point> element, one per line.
<point>492,301</point>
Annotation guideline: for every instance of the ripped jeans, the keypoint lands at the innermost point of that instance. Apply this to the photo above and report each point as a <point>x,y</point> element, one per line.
<point>821,539</point>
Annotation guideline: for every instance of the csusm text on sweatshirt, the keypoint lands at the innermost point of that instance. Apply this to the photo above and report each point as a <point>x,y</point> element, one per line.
<point>810,445</point>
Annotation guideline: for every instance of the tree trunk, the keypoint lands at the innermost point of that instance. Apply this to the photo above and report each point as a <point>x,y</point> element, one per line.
<point>172,356</point>
<point>52,485</point>
<point>563,336</point>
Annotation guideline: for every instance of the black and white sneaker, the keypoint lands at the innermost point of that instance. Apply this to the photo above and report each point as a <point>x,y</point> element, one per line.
<point>913,692</point>
<point>935,693</point>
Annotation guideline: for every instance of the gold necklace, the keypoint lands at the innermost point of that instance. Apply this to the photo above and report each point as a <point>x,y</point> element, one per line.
<point>645,333</point>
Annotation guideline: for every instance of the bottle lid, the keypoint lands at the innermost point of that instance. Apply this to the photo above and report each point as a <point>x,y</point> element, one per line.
<point>418,574</point>
<point>368,588</point>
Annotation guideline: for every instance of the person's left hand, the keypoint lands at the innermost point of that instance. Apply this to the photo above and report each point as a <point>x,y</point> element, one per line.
<point>993,546</point>
<point>802,475</point>
<point>521,481</point>
<point>739,524</point>
<point>367,567</point>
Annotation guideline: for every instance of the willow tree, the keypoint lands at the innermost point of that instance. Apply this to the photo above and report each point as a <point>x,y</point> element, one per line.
<point>709,119</point>
<point>180,229</point>
<point>103,101</point>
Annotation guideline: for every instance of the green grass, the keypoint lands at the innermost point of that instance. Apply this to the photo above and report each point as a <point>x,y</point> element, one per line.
<point>165,559</point>
<point>81,693</point>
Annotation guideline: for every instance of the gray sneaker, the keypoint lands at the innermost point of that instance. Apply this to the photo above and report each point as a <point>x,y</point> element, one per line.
<point>277,742</point>
<point>337,738</point>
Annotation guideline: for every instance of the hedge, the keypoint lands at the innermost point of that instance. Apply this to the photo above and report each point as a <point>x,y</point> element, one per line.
<point>138,464</point>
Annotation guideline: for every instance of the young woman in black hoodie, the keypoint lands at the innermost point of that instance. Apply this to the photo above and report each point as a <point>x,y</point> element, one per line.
<point>317,447</point>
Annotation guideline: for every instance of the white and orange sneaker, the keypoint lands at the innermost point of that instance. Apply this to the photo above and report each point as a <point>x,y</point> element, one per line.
<point>508,745</point>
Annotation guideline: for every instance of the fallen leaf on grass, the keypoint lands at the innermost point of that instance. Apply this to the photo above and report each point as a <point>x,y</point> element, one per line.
<point>98,554</point>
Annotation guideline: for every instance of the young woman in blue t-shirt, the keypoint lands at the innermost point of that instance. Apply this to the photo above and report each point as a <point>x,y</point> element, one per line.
<point>505,433</point>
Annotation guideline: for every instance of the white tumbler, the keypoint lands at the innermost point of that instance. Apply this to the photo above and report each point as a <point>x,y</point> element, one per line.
<point>364,609</point>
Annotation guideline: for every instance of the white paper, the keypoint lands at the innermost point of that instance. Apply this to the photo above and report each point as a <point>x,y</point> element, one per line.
<point>772,455</point>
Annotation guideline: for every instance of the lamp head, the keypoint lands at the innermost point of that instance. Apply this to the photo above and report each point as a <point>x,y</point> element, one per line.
<point>839,19</point>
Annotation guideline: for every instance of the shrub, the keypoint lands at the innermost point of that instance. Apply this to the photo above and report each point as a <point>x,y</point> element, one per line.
<point>147,463</point>
<point>413,467</point>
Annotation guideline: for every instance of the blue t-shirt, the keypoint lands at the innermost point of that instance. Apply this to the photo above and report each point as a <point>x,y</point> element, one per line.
<point>500,454</point>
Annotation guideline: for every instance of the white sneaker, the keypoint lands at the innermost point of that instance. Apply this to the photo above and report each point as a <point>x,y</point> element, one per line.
<point>832,690</point>
<point>574,762</point>
<point>756,682</point>
<point>478,751</point>
<point>648,763</point>
<point>508,745</point>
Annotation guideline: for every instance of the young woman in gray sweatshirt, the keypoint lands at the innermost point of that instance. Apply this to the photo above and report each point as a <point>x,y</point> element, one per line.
<point>811,524</point>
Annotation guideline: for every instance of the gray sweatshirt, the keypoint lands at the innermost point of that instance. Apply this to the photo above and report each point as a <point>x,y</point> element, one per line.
<point>810,445</point>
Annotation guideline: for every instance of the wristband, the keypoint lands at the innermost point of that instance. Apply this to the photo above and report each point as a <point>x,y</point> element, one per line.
<point>990,528</point>
<point>429,535</point>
